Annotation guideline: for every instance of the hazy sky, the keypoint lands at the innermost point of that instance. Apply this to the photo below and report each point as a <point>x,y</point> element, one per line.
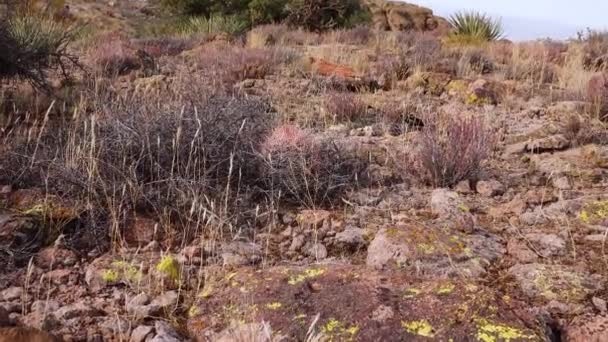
<point>529,19</point>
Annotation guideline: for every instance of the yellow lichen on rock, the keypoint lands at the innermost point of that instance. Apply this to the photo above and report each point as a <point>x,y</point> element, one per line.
<point>488,331</point>
<point>421,328</point>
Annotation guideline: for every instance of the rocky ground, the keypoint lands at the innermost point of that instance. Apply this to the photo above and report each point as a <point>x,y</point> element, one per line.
<point>519,255</point>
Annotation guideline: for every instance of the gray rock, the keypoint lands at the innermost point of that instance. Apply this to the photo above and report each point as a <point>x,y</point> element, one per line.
<point>12,293</point>
<point>167,300</point>
<point>383,251</point>
<point>555,282</point>
<point>317,251</point>
<point>297,243</point>
<point>4,317</point>
<point>351,237</point>
<point>140,299</point>
<point>239,253</point>
<point>143,311</point>
<point>599,304</point>
<point>140,333</point>
<point>382,314</point>
<point>76,310</point>
<point>449,206</point>
<point>562,183</point>
<point>115,328</point>
<point>165,333</point>
<point>547,244</point>
<point>490,188</point>
<point>548,144</point>
<point>11,307</point>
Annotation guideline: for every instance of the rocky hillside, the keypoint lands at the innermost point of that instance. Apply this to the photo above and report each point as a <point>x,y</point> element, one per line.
<point>285,185</point>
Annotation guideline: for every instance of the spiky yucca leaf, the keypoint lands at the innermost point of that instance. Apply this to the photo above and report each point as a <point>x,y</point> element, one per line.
<point>476,26</point>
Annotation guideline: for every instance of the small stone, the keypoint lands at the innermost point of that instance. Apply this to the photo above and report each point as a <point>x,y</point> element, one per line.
<point>382,314</point>
<point>540,196</point>
<point>113,327</point>
<point>297,243</point>
<point>318,251</point>
<point>76,310</point>
<point>60,276</point>
<point>490,188</point>
<point>143,311</point>
<point>12,293</point>
<point>547,244</point>
<point>140,299</point>
<point>165,333</point>
<point>140,333</point>
<point>351,237</point>
<point>562,183</point>
<point>167,300</point>
<point>599,304</point>
<point>463,187</point>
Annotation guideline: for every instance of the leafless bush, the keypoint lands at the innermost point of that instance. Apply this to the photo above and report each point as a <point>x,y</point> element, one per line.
<point>112,55</point>
<point>597,94</point>
<point>187,161</point>
<point>451,149</point>
<point>389,69</point>
<point>305,170</point>
<point>345,107</point>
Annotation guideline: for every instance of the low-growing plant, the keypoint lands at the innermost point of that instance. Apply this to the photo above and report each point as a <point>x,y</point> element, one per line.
<point>165,46</point>
<point>475,27</point>
<point>304,170</point>
<point>451,149</point>
<point>344,106</point>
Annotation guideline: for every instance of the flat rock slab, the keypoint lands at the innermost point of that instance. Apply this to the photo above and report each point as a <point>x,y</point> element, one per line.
<point>433,251</point>
<point>373,306</point>
<point>555,282</point>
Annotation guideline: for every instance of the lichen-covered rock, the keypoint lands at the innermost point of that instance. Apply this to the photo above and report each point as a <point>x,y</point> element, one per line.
<point>555,282</point>
<point>431,251</point>
<point>587,329</point>
<point>381,306</point>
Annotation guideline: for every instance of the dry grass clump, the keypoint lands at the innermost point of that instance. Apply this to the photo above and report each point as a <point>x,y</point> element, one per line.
<point>226,65</point>
<point>597,94</point>
<point>345,107</point>
<point>359,35</point>
<point>474,62</point>
<point>595,49</point>
<point>164,46</point>
<point>451,149</point>
<point>305,170</point>
<point>112,55</point>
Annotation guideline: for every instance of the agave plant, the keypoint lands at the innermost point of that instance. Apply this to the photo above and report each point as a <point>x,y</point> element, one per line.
<point>476,26</point>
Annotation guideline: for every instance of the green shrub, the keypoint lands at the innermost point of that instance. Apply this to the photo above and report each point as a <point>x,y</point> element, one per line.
<point>471,26</point>
<point>267,11</point>
<point>321,15</point>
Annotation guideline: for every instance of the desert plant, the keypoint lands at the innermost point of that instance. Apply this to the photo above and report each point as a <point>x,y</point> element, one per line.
<point>164,46</point>
<point>301,169</point>
<point>597,94</point>
<point>214,24</point>
<point>344,106</point>
<point>267,11</point>
<point>32,45</point>
<point>451,149</point>
<point>471,26</point>
<point>320,15</point>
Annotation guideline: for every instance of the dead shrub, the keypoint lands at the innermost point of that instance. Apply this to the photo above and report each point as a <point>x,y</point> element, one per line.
<point>301,169</point>
<point>474,62</point>
<point>345,107</point>
<point>451,149</point>
<point>595,48</point>
<point>190,162</point>
<point>359,35</point>
<point>390,69</point>
<point>112,55</point>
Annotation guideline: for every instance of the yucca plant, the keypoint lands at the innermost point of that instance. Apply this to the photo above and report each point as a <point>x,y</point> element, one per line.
<point>31,45</point>
<point>475,27</point>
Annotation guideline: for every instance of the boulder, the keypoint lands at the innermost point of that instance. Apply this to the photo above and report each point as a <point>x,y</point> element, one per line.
<point>587,329</point>
<point>402,16</point>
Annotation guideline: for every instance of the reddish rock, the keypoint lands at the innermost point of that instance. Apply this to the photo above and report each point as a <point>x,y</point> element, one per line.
<point>587,329</point>
<point>53,257</point>
<point>141,231</point>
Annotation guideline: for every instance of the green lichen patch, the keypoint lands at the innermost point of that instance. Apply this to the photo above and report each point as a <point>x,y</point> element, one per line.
<point>594,212</point>
<point>169,267</point>
<point>121,271</point>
